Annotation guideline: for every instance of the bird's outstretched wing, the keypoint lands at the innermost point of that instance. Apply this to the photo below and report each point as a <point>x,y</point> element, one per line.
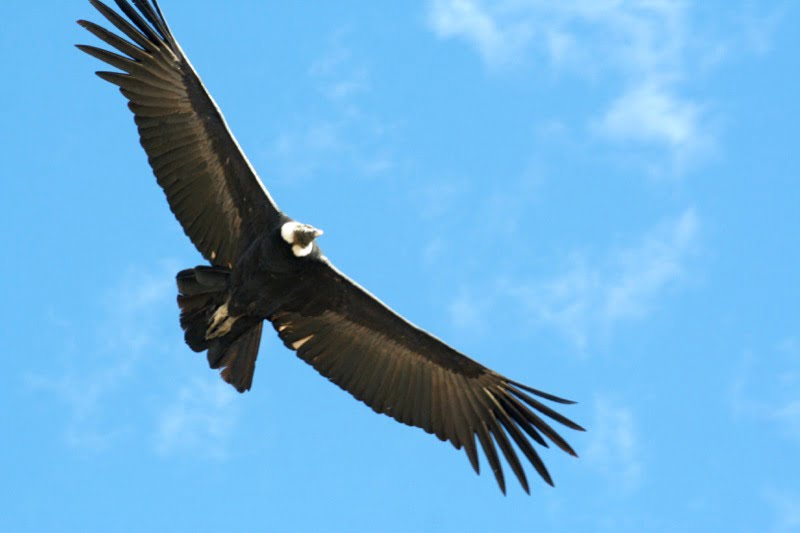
<point>399,370</point>
<point>211,187</point>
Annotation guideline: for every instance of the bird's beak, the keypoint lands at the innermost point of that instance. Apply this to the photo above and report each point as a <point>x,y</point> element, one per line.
<point>316,232</point>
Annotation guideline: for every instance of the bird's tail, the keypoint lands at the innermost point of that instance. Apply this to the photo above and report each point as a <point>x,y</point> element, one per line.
<point>232,341</point>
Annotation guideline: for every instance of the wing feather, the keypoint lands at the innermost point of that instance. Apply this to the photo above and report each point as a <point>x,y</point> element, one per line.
<point>452,420</point>
<point>465,423</point>
<point>399,370</point>
<point>210,185</point>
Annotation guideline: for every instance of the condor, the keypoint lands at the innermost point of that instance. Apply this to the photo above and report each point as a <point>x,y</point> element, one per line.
<point>265,266</point>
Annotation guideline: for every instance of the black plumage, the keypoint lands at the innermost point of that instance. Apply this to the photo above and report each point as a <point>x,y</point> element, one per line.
<point>265,266</point>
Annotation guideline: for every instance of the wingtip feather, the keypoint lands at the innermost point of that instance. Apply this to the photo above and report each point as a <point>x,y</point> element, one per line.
<point>542,394</point>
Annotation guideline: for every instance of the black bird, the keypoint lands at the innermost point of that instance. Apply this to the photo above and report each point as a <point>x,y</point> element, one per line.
<point>266,266</point>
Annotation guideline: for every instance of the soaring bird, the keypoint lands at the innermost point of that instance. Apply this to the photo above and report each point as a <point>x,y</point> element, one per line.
<point>265,266</point>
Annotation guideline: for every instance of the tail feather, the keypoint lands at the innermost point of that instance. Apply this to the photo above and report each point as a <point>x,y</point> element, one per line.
<point>240,359</point>
<point>202,297</point>
<point>194,319</point>
<point>202,280</point>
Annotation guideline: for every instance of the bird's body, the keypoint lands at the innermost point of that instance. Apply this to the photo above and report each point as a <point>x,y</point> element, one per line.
<point>264,266</point>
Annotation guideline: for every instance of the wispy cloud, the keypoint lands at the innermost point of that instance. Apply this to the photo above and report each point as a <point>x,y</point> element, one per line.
<point>137,331</point>
<point>594,294</point>
<point>340,136</point>
<point>115,355</point>
<point>652,113</point>
<point>630,38</point>
<point>596,291</point>
<point>765,388</point>
<point>468,311</point>
<point>614,448</point>
<point>469,20</point>
<point>199,420</point>
<point>106,356</point>
<point>786,507</point>
<point>87,426</point>
<point>437,198</point>
<point>338,75</point>
<point>648,49</point>
<point>759,23</point>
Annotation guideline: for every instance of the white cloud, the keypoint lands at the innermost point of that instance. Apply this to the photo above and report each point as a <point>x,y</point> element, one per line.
<point>628,37</point>
<point>437,199</point>
<point>325,146</point>
<point>651,113</point>
<point>83,395</point>
<point>339,78</point>
<point>786,507</point>
<point>199,420</point>
<point>433,251</point>
<point>788,415</point>
<point>341,137</point>
<point>596,292</point>
<point>759,23</point>
<point>467,311</point>
<point>114,353</point>
<point>765,388</point>
<point>469,20</point>
<point>647,269</point>
<point>593,295</point>
<point>614,448</point>
<point>117,354</point>
<point>649,49</point>
<point>104,358</point>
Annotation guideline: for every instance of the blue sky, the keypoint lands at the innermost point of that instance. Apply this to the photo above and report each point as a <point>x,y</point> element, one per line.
<point>597,199</point>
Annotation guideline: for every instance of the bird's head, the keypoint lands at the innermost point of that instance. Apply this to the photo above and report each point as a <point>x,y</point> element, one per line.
<point>300,237</point>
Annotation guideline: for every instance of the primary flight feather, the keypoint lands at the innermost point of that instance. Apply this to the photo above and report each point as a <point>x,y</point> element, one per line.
<point>266,266</point>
